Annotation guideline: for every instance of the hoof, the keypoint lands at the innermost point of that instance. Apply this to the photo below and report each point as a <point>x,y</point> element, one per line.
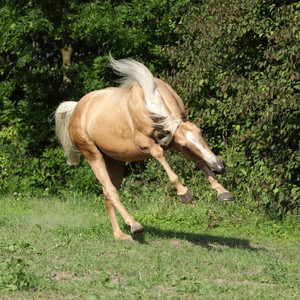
<point>136,228</point>
<point>187,197</point>
<point>225,197</point>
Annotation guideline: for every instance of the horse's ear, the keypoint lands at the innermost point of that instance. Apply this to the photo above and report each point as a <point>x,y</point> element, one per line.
<point>184,117</point>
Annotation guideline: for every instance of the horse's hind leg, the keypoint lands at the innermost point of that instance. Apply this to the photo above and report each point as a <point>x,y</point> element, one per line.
<point>110,173</point>
<point>112,198</point>
<point>116,176</point>
<point>116,173</point>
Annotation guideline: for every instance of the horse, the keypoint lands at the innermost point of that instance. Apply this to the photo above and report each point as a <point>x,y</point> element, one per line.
<point>142,118</point>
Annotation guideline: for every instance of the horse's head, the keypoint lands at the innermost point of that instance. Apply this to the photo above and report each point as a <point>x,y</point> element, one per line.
<point>189,140</point>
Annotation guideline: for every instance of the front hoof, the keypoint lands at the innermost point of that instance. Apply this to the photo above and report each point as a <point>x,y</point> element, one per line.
<point>187,197</point>
<point>225,197</point>
<point>136,228</point>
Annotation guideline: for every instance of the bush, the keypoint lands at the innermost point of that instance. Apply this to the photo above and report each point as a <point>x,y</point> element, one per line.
<point>237,67</point>
<point>42,175</point>
<point>234,62</point>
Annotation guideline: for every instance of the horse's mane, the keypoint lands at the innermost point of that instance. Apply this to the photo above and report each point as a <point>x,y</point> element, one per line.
<point>134,73</point>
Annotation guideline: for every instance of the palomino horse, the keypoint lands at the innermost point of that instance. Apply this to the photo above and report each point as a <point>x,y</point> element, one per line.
<point>141,119</point>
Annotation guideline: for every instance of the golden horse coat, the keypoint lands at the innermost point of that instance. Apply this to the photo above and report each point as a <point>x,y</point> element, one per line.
<point>142,118</point>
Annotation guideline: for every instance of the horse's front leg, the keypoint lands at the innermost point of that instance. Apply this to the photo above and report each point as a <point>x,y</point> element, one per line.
<point>223,194</point>
<point>148,146</point>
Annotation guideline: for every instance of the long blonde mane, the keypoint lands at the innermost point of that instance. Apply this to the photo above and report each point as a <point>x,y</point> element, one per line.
<point>134,73</point>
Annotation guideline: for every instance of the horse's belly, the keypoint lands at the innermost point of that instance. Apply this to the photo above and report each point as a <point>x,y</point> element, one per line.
<point>121,150</point>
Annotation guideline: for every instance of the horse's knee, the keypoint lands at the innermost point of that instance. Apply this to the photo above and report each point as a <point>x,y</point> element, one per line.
<point>108,203</point>
<point>157,152</point>
<point>112,196</point>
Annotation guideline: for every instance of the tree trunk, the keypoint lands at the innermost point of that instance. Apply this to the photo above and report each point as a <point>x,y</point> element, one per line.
<point>66,52</point>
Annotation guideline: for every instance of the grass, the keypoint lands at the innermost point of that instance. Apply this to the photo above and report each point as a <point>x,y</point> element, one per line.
<point>63,248</point>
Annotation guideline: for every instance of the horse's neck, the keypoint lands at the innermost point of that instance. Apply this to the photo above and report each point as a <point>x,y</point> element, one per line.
<point>172,101</point>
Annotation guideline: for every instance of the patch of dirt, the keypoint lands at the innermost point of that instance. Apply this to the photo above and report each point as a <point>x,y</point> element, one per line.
<point>223,245</point>
<point>61,276</point>
<point>38,295</point>
<point>64,276</point>
<point>159,243</point>
<point>175,242</point>
<point>161,288</point>
<point>59,261</point>
<point>108,255</point>
<point>221,281</point>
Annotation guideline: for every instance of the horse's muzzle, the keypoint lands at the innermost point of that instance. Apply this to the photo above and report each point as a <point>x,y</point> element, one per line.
<point>219,167</point>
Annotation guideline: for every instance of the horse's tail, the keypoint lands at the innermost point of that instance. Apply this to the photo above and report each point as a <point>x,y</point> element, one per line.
<point>62,118</point>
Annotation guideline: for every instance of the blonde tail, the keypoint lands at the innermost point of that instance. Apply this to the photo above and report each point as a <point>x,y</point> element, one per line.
<point>62,118</point>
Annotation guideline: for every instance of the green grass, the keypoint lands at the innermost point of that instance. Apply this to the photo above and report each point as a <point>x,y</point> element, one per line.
<point>63,248</point>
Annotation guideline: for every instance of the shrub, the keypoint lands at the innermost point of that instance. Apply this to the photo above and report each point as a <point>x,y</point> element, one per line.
<point>237,67</point>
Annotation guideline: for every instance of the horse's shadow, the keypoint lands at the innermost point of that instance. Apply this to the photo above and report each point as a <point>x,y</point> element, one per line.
<point>211,242</point>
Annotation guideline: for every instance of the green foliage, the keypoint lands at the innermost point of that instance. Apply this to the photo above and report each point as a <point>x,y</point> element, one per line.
<point>43,175</point>
<point>237,66</point>
<point>234,63</point>
<point>31,73</point>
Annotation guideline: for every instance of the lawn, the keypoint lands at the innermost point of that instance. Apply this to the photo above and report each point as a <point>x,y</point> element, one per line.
<point>63,248</point>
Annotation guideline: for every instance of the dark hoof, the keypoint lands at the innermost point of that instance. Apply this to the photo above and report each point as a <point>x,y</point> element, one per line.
<point>187,197</point>
<point>137,228</point>
<point>225,197</point>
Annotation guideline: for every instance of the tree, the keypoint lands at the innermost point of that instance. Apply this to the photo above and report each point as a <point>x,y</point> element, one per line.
<point>237,64</point>
<point>53,51</point>
<point>234,62</point>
